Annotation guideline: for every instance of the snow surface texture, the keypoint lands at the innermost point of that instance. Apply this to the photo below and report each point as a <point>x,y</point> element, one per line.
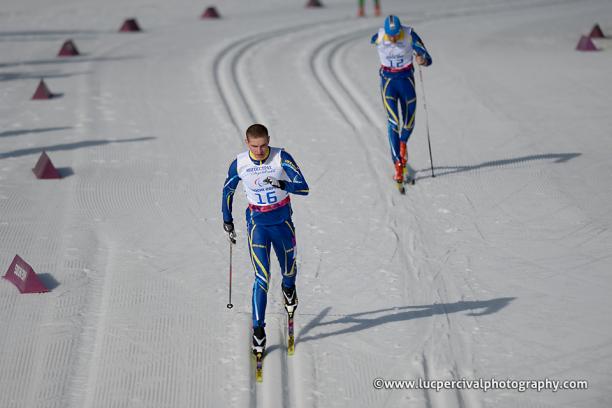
<point>497,268</point>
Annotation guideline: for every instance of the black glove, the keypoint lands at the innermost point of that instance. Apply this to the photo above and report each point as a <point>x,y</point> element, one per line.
<point>274,182</point>
<point>229,228</point>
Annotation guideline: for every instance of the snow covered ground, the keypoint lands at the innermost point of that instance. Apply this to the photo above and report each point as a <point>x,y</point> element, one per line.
<point>497,268</point>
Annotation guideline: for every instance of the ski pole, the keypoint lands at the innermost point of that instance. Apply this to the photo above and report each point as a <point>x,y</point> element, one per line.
<point>232,241</point>
<point>426,121</point>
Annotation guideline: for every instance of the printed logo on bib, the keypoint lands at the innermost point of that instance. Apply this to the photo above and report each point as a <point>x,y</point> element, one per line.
<point>265,193</point>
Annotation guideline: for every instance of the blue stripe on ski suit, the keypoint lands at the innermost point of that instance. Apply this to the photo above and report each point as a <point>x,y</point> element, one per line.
<point>261,239</point>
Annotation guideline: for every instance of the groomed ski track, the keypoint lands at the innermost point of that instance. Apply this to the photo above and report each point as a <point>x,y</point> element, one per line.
<point>390,286</point>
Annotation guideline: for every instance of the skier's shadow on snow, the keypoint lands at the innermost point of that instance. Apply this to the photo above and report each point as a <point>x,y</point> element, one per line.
<point>366,320</point>
<point>447,170</point>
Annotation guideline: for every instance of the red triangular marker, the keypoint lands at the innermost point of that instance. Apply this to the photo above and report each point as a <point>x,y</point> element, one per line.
<point>68,49</point>
<point>42,92</point>
<point>314,3</point>
<point>23,276</point>
<point>585,44</point>
<point>130,25</point>
<point>44,169</point>
<point>210,12</point>
<point>596,32</point>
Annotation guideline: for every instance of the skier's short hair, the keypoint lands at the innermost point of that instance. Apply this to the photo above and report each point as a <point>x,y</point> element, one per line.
<point>256,131</point>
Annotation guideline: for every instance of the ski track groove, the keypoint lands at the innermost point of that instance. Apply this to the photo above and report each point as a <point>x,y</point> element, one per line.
<point>233,97</point>
<point>325,79</point>
<point>232,110</point>
<point>239,106</point>
<point>286,381</point>
<point>357,106</point>
<point>351,116</point>
<point>132,197</point>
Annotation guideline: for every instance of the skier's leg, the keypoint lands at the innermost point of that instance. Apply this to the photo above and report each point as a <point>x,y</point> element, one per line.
<point>408,98</point>
<point>408,105</point>
<point>285,248</point>
<point>389,98</point>
<point>259,250</point>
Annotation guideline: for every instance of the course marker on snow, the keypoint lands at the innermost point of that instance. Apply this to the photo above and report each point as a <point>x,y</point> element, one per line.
<point>45,169</point>
<point>23,276</point>
<point>210,12</point>
<point>585,44</point>
<point>596,32</point>
<point>314,3</point>
<point>68,49</point>
<point>42,92</point>
<point>130,25</point>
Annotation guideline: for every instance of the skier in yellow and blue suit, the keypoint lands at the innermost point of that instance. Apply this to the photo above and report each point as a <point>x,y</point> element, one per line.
<point>269,175</point>
<point>396,45</point>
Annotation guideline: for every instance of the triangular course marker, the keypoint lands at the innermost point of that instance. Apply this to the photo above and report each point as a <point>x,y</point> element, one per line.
<point>23,276</point>
<point>45,169</point>
<point>130,25</point>
<point>314,3</point>
<point>210,12</point>
<point>42,92</point>
<point>585,44</point>
<point>68,49</point>
<point>596,32</point>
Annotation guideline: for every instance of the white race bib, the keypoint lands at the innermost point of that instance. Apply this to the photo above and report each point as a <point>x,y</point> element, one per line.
<point>253,175</point>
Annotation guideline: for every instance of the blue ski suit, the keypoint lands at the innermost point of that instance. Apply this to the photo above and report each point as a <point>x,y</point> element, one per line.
<point>397,83</point>
<point>268,217</point>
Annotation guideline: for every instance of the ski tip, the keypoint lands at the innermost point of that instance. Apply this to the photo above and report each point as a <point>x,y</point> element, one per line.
<point>258,367</point>
<point>291,347</point>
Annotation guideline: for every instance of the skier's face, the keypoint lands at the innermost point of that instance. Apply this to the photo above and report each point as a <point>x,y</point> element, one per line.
<point>258,146</point>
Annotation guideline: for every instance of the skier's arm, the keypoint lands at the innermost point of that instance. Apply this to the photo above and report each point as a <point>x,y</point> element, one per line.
<point>374,39</point>
<point>231,182</point>
<point>296,183</point>
<point>419,48</point>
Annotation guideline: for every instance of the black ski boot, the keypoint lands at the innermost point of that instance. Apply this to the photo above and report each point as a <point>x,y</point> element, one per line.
<point>291,299</point>
<point>259,340</point>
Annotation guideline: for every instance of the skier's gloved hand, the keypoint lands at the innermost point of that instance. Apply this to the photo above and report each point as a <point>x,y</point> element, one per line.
<point>421,60</point>
<point>275,183</point>
<point>229,228</point>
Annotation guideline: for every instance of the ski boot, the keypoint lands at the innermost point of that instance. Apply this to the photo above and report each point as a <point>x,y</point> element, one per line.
<point>408,178</point>
<point>259,348</point>
<point>259,340</point>
<point>399,177</point>
<point>291,300</point>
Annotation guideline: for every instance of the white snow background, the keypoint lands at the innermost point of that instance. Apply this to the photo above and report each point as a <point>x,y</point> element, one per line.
<point>499,267</point>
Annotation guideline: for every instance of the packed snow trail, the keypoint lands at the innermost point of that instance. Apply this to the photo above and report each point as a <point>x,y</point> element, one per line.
<point>497,268</point>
